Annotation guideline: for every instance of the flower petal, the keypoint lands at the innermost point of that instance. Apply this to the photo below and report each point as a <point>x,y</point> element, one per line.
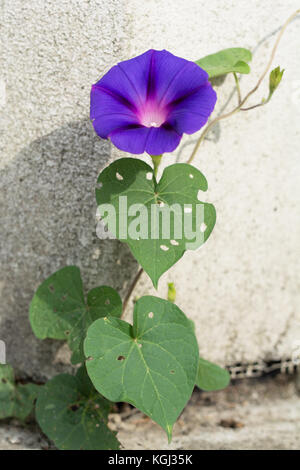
<point>109,111</point>
<point>153,140</point>
<point>137,71</point>
<point>161,140</point>
<point>118,95</point>
<point>175,77</point>
<point>105,124</point>
<point>157,74</point>
<point>132,140</point>
<point>189,114</point>
<point>129,79</point>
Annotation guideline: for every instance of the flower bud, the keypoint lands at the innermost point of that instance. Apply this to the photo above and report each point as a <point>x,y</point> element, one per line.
<point>275,79</point>
<point>171,292</point>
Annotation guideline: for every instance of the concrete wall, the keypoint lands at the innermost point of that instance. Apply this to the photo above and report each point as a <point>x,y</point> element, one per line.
<point>242,287</point>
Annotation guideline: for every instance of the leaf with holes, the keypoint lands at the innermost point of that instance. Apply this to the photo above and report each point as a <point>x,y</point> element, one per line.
<point>234,59</point>
<point>152,364</point>
<point>73,414</point>
<point>16,400</point>
<point>58,309</point>
<point>159,221</point>
<point>211,377</point>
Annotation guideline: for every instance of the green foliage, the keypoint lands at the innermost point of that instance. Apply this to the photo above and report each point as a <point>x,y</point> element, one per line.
<point>179,185</point>
<point>58,309</point>
<point>211,376</point>
<point>274,80</point>
<point>73,415</point>
<point>234,59</point>
<point>152,364</point>
<point>16,400</point>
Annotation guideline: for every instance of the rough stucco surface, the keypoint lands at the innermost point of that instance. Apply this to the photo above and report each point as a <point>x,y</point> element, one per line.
<point>242,287</point>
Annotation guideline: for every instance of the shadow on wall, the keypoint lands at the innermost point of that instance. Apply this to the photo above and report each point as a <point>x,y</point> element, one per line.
<point>48,221</point>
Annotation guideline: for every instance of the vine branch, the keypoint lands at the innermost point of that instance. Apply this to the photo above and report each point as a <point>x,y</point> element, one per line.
<point>243,101</point>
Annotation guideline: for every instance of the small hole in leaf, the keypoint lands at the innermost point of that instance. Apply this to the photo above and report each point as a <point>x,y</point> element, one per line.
<point>203,227</point>
<point>121,358</point>
<point>151,315</point>
<point>149,176</point>
<point>97,425</point>
<point>51,288</point>
<point>174,243</point>
<point>172,371</point>
<point>160,203</point>
<point>107,302</point>
<point>99,185</point>
<point>164,247</point>
<point>74,407</point>
<point>67,332</point>
<point>140,345</point>
<point>119,177</point>
<point>90,358</point>
<point>191,176</point>
<point>97,406</point>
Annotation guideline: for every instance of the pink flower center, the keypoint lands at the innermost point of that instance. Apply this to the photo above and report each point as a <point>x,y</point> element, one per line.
<point>152,115</point>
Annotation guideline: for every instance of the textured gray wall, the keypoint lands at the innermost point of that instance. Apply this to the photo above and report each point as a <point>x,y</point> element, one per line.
<point>50,157</point>
<point>242,287</point>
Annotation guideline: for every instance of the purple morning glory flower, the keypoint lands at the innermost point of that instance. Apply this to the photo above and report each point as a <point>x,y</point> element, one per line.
<point>145,104</point>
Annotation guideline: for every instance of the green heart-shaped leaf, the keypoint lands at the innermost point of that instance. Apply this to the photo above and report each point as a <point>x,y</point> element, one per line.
<point>152,364</point>
<point>211,377</point>
<point>58,309</point>
<point>73,414</point>
<point>128,188</point>
<point>234,59</point>
<point>16,400</point>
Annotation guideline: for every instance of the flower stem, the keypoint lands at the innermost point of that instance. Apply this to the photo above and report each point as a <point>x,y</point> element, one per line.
<point>156,159</point>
